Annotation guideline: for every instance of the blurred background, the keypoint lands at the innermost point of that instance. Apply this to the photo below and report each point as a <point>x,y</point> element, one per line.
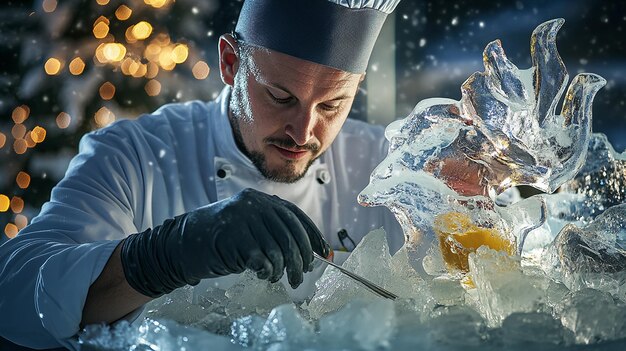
<point>68,67</point>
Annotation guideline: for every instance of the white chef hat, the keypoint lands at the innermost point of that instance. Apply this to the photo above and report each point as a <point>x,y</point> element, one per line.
<point>336,33</point>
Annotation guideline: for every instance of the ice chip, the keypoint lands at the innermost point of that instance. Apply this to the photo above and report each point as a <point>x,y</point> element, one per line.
<point>253,295</point>
<point>594,316</point>
<point>370,259</point>
<point>286,325</point>
<point>501,287</point>
<point>368,324</point>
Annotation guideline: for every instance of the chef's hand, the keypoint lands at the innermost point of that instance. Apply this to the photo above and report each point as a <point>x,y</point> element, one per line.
<point>251,230</point>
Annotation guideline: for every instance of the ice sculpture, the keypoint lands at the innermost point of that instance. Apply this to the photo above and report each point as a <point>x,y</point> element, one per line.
<point>503,132</point>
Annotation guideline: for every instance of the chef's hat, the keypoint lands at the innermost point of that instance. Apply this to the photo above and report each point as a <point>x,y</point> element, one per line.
<point>335,33</point>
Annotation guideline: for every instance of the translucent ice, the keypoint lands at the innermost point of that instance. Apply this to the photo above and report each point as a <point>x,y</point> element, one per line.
<point>500,286</point>
<point>600,184</point>
<point>503,132</point>
<point>370,259</point>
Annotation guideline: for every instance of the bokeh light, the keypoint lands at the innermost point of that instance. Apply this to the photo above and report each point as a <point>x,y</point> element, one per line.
<point>17,204</point>
<point>3,140</point>
<point>63,120</point>
<point>153,87</point>
<point>123,13</point>
<point>142,30</point>
<point>77,66</point>
<point>10,230</point>
<point>180,53</point>
<point>20,146</point>
<point>18,131</point>
<point>21,221</point>
<point>200,70</point>
<point>52,66</point>
<point>4,203</point>
<point>104,117</point>
<point>49,5</point>
<point>23,180</point>
<point>100,30</point>
<point>107,91</point>
<point>102,2</point>
<point>38,134</point>
<point>20,114</point>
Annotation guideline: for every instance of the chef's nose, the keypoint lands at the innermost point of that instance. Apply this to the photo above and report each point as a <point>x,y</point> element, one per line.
<point>300,128</point>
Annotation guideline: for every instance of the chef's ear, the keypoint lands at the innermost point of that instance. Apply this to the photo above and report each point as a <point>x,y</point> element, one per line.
<point>229,59</point>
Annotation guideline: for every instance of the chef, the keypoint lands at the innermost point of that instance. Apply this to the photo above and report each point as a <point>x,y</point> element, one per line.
<point>258,179</point>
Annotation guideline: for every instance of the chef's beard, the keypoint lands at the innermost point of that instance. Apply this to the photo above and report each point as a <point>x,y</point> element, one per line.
<point>284,174</point>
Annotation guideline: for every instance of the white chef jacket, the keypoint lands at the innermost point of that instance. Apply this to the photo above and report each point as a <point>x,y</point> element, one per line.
<point>133,175</point>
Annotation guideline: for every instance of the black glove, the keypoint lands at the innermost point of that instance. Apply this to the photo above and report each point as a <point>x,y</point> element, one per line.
<point>251,230</point>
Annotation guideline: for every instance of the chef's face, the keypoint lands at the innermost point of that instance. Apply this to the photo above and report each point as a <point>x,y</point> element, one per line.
<point>285,112</point>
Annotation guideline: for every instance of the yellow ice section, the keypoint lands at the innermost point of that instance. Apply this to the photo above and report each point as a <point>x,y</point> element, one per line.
<point>459,236</point>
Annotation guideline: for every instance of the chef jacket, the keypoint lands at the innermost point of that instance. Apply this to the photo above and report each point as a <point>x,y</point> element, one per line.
<point>135,174</point>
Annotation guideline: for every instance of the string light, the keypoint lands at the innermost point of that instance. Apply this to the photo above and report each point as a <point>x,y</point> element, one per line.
<point>153,87</point>
<point>4,203</point>
<point>38,134</point>
<point>200,70</point>
<point>77,66</point>
<point>21,221</point>
<point>30,143</point>
<point>20,114</point>
<point>49,5</point>
<point>63,120</point>
<point>23,180</point>
<point>180,53</point>
<point>104,117</point>
<point>107,91</point>
<point>123,13</point>
<point>10,230</point>
<point>52,66</point>
<point>142,30</point>
<point>100,30</point>
<point>18,131</point>
<point>17,204</point>
<point>20,146</point>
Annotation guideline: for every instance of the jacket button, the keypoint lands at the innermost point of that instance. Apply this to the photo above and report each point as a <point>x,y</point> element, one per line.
<point>322,176</point>
<point>224,172</point>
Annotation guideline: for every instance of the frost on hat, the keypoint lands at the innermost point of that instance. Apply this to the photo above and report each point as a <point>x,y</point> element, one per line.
<point>335,33</point>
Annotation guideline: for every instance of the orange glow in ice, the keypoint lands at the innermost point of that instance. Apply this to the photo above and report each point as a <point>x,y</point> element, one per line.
<point>459,236</point>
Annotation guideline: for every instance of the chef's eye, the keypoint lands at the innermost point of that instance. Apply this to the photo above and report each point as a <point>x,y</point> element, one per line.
<point>279,98</point>
<point>330,107</point>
